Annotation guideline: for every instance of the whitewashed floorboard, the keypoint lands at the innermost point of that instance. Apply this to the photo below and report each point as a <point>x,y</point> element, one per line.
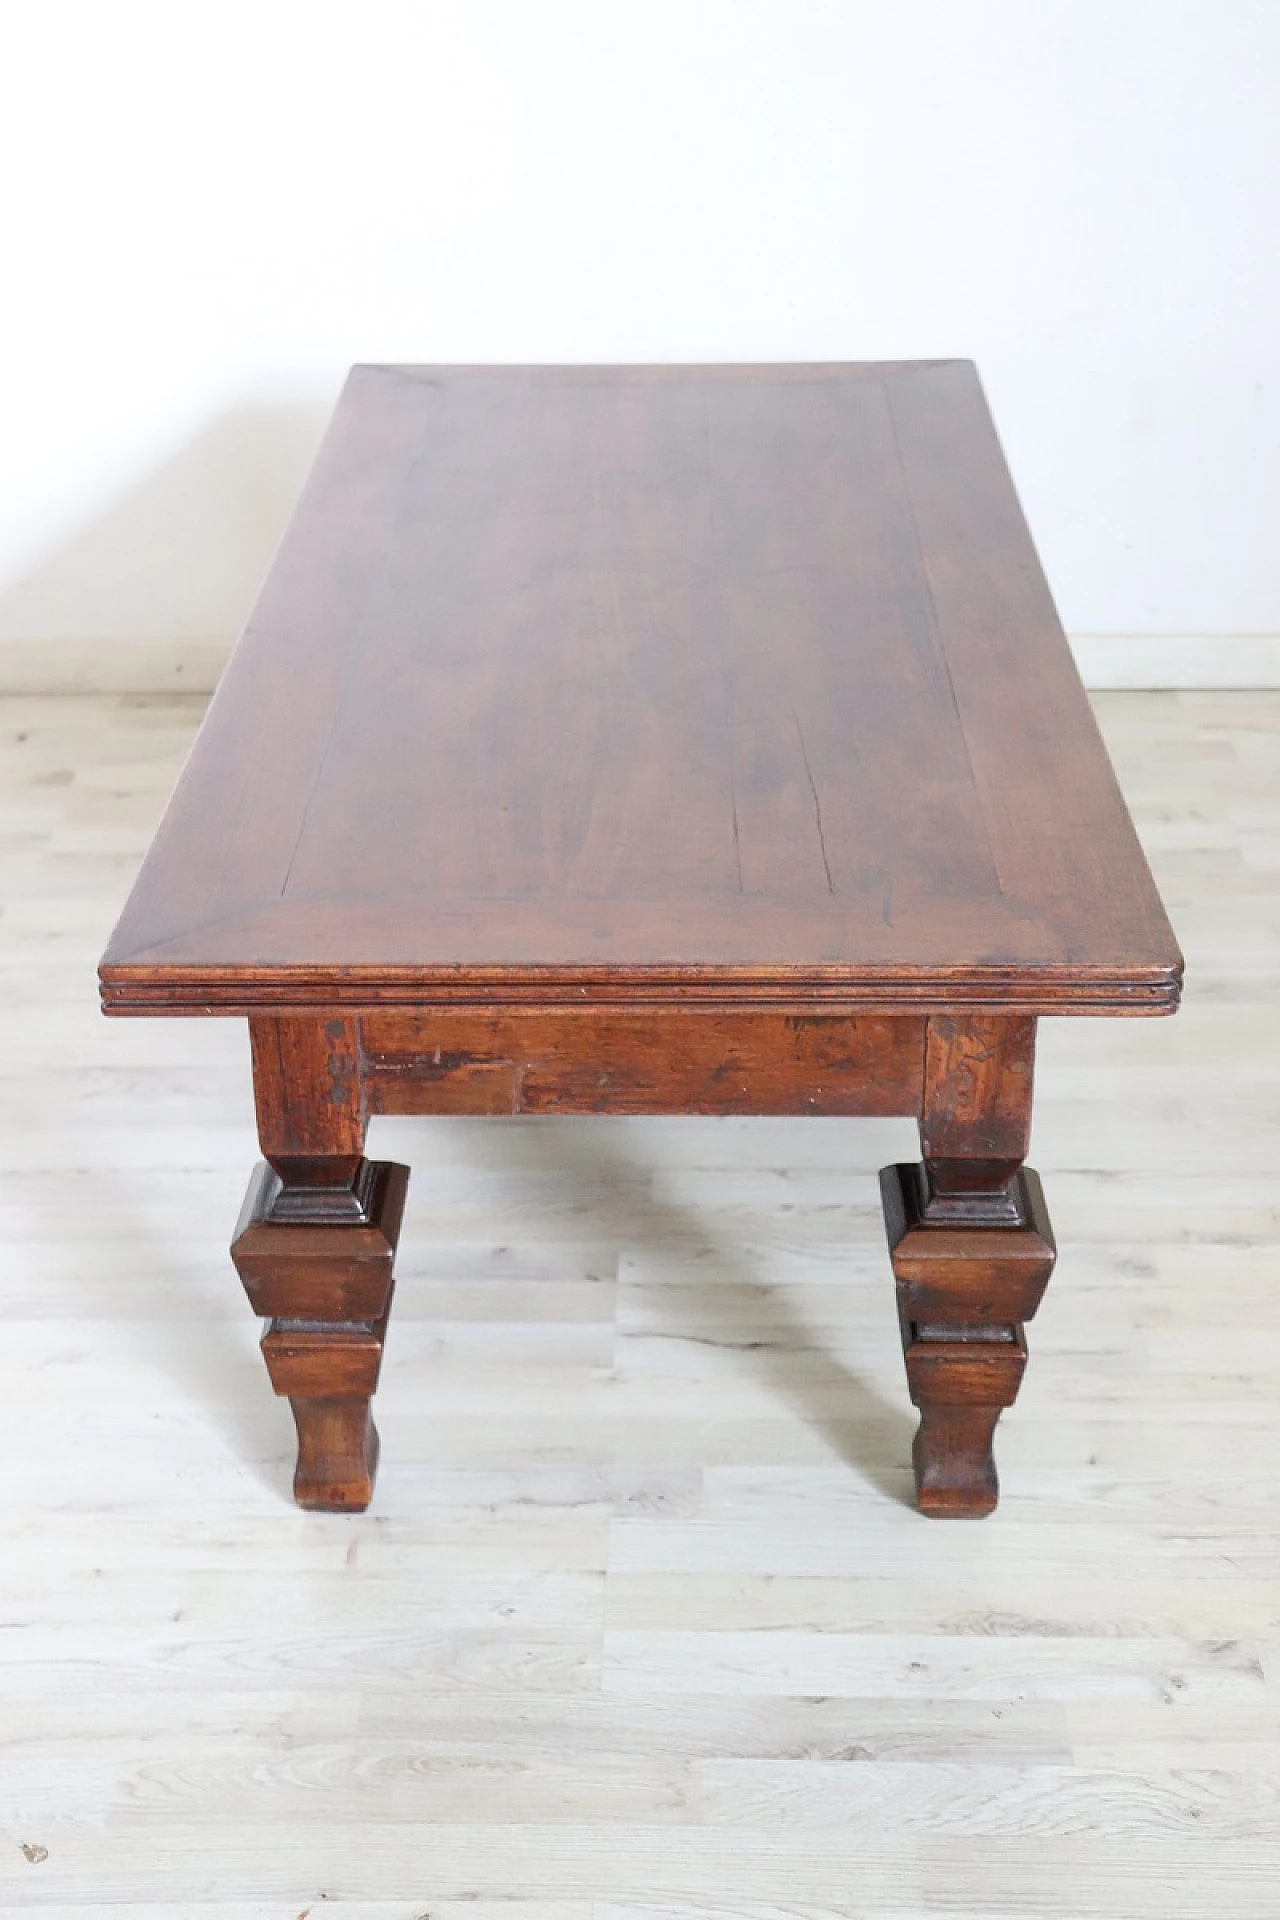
<point>643,1624</point>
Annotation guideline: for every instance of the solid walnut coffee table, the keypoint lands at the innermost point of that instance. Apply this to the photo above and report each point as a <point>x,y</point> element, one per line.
<point>649,740</point>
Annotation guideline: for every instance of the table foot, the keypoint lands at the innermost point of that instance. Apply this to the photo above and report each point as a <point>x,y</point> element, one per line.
<point>965,1287</point>
<point>321,1275</point>
<point>954,1464</point>
<point>337,1453</point>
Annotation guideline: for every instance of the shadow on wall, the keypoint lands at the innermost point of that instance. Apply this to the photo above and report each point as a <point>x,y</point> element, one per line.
<point>174,564</point>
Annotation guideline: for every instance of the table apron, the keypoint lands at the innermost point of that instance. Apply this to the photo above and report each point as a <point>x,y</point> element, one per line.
<point>656,1062</point>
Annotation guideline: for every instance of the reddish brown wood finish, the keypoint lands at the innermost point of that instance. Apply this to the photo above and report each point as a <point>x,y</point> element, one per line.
<point>325,1289</point>
<point>655,1062</point>
<point>975,1120</point>
<point>972,1252</point>
<point>311,1109</point>
<point>636,685</point>
<point>649,740</point>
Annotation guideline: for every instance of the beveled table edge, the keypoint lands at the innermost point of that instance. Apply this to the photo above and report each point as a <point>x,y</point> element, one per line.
<point>186,990</point>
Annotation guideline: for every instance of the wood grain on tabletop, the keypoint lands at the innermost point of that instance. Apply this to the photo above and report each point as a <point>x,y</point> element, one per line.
<point>735,681</point>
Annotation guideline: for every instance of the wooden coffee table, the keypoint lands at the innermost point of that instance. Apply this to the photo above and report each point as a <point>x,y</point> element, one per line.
<point>649,740</point>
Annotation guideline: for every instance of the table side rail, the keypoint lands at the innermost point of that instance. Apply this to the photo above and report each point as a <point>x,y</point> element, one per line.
<point>577,1061</point>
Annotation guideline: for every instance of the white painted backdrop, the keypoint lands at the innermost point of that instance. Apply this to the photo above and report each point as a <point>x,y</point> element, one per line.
<point>210,209</point>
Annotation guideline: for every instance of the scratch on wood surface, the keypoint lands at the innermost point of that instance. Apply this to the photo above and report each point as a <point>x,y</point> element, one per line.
<point>817,804</point>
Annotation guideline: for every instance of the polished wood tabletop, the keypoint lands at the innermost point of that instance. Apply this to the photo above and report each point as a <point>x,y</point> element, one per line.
<point>728,683</point>
<point>649,740</point>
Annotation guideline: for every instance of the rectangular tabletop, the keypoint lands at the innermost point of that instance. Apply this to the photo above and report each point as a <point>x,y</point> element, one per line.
<point>737,685</point>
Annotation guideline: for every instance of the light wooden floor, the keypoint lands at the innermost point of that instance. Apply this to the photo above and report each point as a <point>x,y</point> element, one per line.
<point>642,1626</point>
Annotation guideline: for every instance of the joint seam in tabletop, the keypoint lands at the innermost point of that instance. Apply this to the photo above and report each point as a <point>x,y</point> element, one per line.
<point>376,586</point>
<point>936,628</point>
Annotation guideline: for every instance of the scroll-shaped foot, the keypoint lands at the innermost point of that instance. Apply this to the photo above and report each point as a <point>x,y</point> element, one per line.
<point>964,1290</point>
<point>337,1453</point>
<point>952,1452</point>
<point>325,1288</point>
<point>954,1464</point>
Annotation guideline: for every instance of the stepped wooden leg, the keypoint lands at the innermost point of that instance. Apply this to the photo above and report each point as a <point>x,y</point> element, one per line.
<point>315,1248</point>
<point>972,1252</point>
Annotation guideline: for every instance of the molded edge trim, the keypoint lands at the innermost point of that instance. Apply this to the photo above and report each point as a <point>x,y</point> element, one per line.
<point>173,990</point>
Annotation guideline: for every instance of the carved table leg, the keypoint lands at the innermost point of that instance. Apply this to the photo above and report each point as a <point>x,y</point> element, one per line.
<point>972,1252</point>
<point>315,1247</point>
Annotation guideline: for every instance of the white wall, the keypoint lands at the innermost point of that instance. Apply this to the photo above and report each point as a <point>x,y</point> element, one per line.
<point>211,208</point>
